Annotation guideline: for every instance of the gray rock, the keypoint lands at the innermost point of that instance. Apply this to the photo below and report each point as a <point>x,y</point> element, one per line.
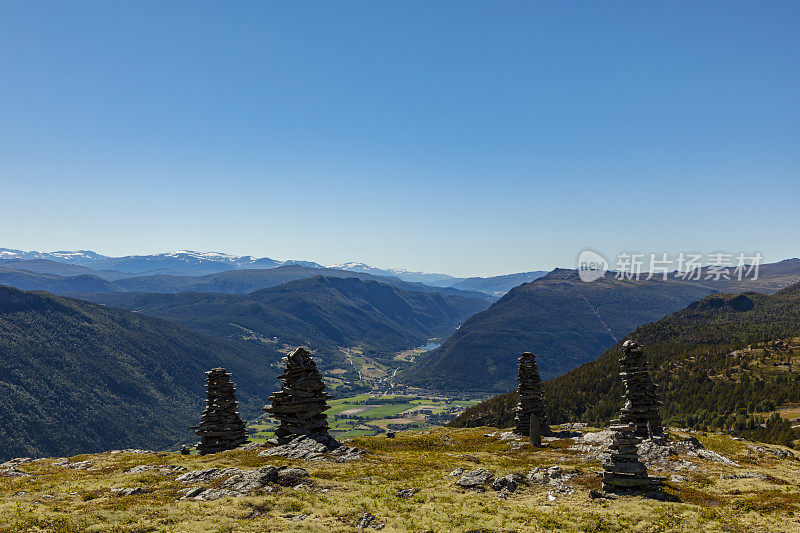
<point>133,451</point>
<point>191,493</point>
<point>474,478</point>
<point>128,491</point>
<point>215,494</point>
<point>367,520</point>
<point>159,469</point>
<point>777,452</point>
<point>207,474</point>
<point>457,472</point>
<point>538,475</point>
<point>80,465</point>
<point>314,449</point>
<point>251,481</point>
<point>406,493</point>
<point>508,483</point>
<point>746,475</point>
<point>291,476</point>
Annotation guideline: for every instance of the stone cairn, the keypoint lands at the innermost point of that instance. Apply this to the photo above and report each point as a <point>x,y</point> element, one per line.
<point>530,401</point>
<point>301,403</point>
<point>220,426</point>
<point>639,419</point>
<point>622,469</point>
<point>641,395</point>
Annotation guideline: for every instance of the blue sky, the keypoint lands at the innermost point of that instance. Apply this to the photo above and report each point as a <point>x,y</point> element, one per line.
<point>473,138</point>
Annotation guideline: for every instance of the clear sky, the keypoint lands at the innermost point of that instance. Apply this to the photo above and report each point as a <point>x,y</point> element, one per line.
<point>473,138</point>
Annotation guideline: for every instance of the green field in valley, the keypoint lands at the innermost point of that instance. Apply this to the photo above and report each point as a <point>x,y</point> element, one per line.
<point>372,414</point>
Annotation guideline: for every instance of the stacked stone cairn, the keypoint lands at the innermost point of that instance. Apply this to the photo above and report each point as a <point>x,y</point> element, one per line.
<point>622,469</point>
<point>639,419</point>
<point>301,403</point>
<point>220,426</point>
<point>530,400</point>
<point>641,395</point>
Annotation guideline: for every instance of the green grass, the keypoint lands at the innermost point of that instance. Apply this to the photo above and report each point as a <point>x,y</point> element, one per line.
<point>62,500</point>
<point>377,415</point>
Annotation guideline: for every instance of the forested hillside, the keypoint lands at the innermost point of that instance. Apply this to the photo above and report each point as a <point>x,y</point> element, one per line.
<point>562,319</point>
<point>323,313</point>
<point>40,281</point>
<point>77,377</point>
<point>567,322</point>
<point>717,362</point>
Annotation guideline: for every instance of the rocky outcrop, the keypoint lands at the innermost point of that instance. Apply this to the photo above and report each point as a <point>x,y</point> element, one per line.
<point>321,448</point>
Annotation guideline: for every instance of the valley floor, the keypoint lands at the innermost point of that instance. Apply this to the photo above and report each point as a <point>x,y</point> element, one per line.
<point>714,483</point>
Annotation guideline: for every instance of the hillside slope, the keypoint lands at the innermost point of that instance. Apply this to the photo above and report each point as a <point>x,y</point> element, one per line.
<point>565,321</point>
<point>28,280</point>
<point>323,313</point>
<point>249,280</point>
<point>78,377</point>
<point>715,362</point>
<point>401,485</point>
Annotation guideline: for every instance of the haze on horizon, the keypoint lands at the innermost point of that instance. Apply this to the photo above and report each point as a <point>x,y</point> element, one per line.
<point>474,139</point>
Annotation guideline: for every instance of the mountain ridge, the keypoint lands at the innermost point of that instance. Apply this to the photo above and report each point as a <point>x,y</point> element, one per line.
<point>79,377</point>
<point>567,322</point>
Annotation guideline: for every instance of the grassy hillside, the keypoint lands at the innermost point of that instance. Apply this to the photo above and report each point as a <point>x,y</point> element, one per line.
<point>78,377</point>
<point>405,483</point>
<point>324,313</point>
<point>717,362</point>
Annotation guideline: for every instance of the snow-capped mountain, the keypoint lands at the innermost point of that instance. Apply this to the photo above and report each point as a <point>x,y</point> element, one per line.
<point>441,280</point>
<point>194,263</point>
<point>191,262</point>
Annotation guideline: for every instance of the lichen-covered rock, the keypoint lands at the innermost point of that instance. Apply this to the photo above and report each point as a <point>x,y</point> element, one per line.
<point>474,479</point>
<point>127,491</point>
<point>508,483</point>
<point>367,520</point>
<point>314,448</point>
<point>252,480</point>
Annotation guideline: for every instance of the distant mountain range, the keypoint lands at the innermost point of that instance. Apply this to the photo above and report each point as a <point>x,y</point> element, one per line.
<point>229,282</point>
<point>566,322</point>
<point>716,361</point>
<point>192,263</point>
<point>79,377</point>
